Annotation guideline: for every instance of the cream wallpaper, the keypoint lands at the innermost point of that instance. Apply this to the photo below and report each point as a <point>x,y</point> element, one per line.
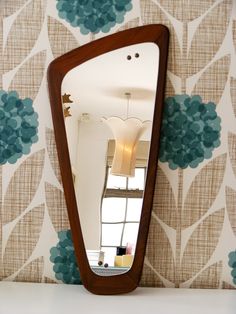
<point>192,238</point>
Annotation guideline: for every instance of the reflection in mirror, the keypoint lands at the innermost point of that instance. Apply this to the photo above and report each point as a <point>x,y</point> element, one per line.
<point>108,107</point>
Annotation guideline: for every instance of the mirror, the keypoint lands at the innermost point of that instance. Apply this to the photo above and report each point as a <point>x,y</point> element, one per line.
<point>108,97</point>
<point>111,111</point>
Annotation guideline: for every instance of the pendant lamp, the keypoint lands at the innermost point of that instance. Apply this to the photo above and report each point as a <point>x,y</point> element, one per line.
<point>127,133</point>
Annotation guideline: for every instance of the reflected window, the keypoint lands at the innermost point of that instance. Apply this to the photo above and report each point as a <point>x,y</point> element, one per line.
<point>120,211</point>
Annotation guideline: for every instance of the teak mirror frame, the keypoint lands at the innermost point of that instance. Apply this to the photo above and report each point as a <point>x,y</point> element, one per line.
<point>58,68</point>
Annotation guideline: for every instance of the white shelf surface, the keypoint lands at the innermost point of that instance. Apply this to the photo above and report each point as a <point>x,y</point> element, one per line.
<point>30,298</point>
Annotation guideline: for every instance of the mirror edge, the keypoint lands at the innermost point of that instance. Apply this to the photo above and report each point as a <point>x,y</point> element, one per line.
<point>58,68</point>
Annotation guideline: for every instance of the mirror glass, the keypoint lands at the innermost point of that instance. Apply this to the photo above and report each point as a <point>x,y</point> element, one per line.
<point>108,105</point>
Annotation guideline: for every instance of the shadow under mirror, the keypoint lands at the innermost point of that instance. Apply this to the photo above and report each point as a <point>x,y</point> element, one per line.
<point>108,105</point>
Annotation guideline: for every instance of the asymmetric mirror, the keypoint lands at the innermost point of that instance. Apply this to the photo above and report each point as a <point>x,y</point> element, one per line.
<point>106,99</point>
<point>108,127</point>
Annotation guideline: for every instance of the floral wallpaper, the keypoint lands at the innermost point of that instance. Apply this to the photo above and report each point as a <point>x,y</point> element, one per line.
<point>192,237</point>
<point>18,126</point>
<point>63,257</point>
<point>190,131</point>
<point>93,16</point>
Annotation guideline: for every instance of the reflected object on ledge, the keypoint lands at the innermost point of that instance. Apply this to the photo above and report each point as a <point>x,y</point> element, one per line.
<point>124,260</point>
<point>124,257</point>
<point>95,257</point>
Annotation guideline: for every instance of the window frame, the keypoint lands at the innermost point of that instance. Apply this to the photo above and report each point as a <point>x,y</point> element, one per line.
<point>126,194</point>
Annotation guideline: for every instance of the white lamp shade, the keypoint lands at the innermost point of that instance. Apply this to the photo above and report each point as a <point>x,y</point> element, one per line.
<point>127,134</point>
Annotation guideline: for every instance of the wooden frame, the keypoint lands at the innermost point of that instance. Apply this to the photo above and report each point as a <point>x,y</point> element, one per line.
<point>58,68</point>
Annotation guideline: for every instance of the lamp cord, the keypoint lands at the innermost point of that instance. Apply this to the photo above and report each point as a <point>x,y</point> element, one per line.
<point>128,98</point>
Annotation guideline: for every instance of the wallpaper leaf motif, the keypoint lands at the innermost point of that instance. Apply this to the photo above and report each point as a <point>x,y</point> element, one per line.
<point>52,153</point>
<point>57,209</point>
<point>164,205</point>
<point>208,37</point>
<point>203,190</point>
<point>152,14</point>
<point>23,240</point>
<point>1,49</point>
<point>202,244</point>
<point>234,34</point>
<point>161,259</point>
<point>233,93</point>
<point>232,150</point>
<point>186,10</point>
<point>170,91</point>
<point>10,6</point>
<point>49,280</point>
<point>23,186</point>
<point>35,268</point>
<point>130,24</point>
<point>61,39</point>
<point>212,82</point>
<point>149,277</point>
<point>24,33</point>
<point>29,76</point>
<point>230,205</point>
<point>209,278</point>
<point>226,285</point>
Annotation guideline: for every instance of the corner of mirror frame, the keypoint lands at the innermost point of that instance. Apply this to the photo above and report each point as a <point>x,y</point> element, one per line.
<point>58,68</point>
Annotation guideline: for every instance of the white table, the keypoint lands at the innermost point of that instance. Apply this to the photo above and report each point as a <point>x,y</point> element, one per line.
<point>30,298</point>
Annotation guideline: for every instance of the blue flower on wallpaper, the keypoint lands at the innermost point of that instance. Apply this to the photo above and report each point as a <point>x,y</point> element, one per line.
<point>93,15</point>
<point>63,257</point>
<point>190,131</point>
<point>18,126</point>
<point>232,263</point>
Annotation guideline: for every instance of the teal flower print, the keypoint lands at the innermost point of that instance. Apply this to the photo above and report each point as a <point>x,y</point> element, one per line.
<point>18,126</point>
<point>93,15</point>
<point>190,131</point>
<point>63,257</point>
<point>232,264</point>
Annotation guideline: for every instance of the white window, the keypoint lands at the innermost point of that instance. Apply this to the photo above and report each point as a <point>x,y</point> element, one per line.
<point>120,211</point>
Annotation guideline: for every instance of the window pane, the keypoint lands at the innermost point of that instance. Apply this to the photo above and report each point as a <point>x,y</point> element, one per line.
<point>113,209</point>
<point>110,253</point>
<point>115,182</point>
<point>137,182</point>
<point>130,234</point>
<point>134,209</point>
<point>111,234</point>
